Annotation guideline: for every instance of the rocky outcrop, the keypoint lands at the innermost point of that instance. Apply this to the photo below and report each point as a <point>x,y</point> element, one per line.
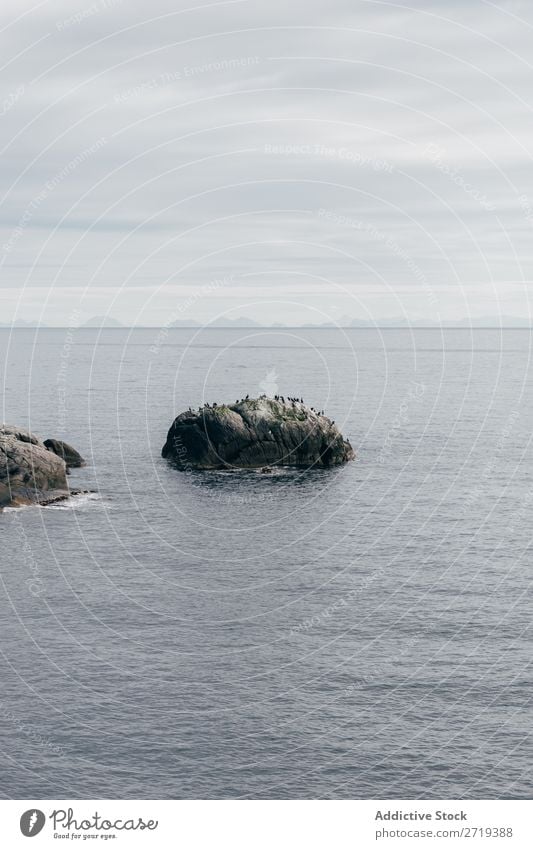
<point>29,472</point>
<point>255,433</point>
<point>66,452</point>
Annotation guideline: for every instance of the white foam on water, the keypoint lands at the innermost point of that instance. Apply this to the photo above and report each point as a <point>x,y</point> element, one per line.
<point>74,502</point>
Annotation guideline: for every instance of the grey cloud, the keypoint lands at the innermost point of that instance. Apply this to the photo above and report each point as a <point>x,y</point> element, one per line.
<point>144,152</point>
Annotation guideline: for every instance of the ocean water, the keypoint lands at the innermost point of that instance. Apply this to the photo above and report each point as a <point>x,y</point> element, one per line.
<point>357,632</point>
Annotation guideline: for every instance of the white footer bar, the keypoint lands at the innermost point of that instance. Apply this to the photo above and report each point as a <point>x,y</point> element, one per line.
<point>267,824</point>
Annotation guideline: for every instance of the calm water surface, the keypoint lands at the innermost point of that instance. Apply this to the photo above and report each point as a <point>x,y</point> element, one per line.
<point>361,632</point>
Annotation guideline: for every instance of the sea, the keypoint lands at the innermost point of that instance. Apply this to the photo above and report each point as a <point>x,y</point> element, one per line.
<point>356,632</point>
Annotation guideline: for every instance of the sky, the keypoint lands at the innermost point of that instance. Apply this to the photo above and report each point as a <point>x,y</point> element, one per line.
<point>291,162</point>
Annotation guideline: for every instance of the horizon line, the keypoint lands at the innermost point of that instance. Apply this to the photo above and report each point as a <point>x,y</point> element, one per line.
<point>450,326</point>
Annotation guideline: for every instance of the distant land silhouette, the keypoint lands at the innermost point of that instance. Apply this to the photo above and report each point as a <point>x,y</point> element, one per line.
<point>102,321</point>
<point>345,322</point>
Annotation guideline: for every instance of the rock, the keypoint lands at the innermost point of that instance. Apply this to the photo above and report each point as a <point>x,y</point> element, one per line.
<point>255,433</point>
<point>29,473</point>
<point>66,452</point>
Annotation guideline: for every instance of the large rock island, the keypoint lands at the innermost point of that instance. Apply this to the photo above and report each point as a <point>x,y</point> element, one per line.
<point>255,433</point>
<point>30,473</point>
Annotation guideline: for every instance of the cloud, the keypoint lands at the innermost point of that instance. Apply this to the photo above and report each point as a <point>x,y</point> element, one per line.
<point>144,148</point>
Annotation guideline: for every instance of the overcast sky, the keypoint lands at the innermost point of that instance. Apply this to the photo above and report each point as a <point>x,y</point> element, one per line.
<point>286,161</point>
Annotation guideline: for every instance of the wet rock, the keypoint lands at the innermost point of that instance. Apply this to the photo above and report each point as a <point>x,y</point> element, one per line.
<point>72,458</point>
<point>29,472</point>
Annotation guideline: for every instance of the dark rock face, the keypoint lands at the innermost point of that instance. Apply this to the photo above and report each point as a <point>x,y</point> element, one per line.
<point>255,433</point>
<point>66,452</point>
<point>29,473</point>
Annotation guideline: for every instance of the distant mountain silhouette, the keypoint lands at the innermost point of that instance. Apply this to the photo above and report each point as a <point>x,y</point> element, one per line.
<point>345,322</point>
<point>19,322</point>
<point>242,321</point>
<point>102,321</point>
<point>185,322</point>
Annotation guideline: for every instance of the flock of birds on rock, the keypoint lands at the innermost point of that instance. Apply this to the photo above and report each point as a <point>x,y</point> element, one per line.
<point>295,401</point>
<point>280,398</point>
